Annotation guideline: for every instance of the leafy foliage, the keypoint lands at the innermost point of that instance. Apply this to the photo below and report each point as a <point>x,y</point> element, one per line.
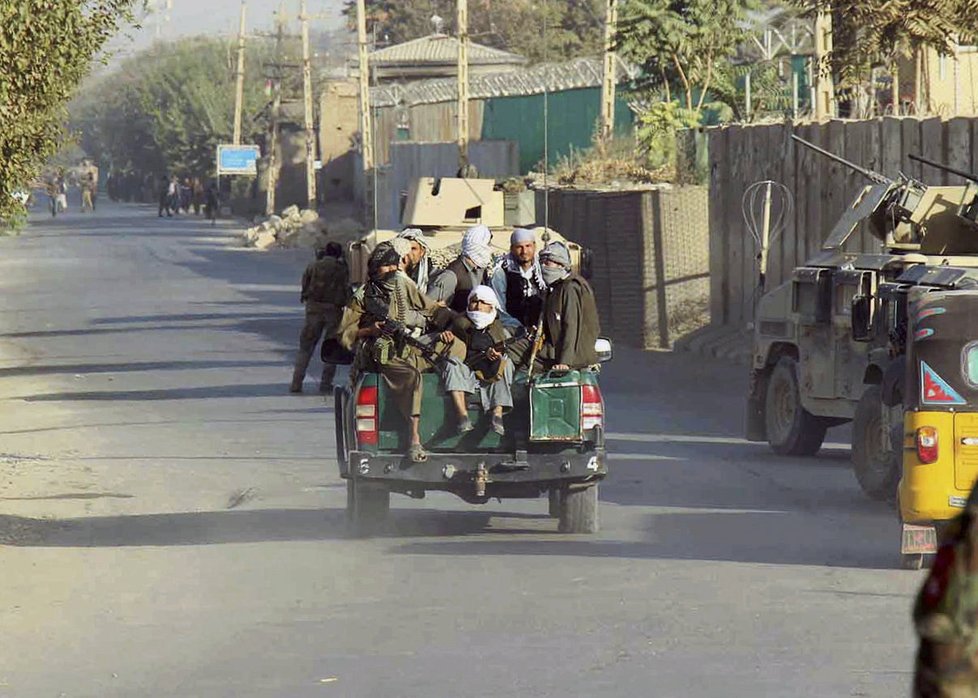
<point>46,49</point>
<point>167,109</point>
<point>681,44</point>
<point>868,33</point>
<point>573,29</point>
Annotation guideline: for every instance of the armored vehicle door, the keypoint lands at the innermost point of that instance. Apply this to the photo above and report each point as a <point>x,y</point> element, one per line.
<point>812,302</point>
<point>850,362</point>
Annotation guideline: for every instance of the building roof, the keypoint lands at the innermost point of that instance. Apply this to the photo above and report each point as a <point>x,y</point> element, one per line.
<point>552,77</point>
<point>441,49</point>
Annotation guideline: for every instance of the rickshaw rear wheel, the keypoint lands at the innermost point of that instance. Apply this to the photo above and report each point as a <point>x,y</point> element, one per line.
<point>791,429</point>
<point>877,469</point>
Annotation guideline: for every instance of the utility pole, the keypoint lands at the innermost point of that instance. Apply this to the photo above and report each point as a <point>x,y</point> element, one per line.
<point>824,88</point>
<point>273,159</point>
<point>366,123</point>
<point>463,85</point>
<point>307,98</point>
<point>239,88</point>
<point>610,72</point>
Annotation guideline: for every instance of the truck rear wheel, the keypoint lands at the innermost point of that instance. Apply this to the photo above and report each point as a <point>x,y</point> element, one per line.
<point>367,507</point>
<point>338,407</point>
<point>553,503</point>
<point>877,469</point>
<point>579,510</point>
<point>791,429</point>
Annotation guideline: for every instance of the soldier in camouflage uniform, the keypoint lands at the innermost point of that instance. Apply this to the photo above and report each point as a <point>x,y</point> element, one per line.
<point>325,291</point>
<point>946,614</point>
<point>391,295</point>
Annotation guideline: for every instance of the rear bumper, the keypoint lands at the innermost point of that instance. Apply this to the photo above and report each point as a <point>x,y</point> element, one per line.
<point>502,474</point>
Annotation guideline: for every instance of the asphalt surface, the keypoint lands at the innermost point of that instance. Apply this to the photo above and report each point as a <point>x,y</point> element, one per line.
<point>171,520</point>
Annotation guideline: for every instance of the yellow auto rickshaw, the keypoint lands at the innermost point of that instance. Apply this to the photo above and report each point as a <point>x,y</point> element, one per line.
<point>940,434</point>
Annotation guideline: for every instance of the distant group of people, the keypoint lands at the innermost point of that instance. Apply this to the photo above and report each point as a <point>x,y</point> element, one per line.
<point>474,322</point>
<point>176,196</point>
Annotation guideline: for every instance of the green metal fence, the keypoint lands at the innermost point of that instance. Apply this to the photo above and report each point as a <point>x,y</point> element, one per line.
<point>572,116</point>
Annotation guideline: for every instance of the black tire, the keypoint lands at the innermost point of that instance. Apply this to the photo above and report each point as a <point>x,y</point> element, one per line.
<point>367,507</point>
<point>791,429</point>
<point>877,471</point>
<point>579,510</point>
<point>338,407</point>
<point>913,561</point>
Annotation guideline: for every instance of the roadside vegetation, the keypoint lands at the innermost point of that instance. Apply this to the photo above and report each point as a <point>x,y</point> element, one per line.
<point>46,50</point>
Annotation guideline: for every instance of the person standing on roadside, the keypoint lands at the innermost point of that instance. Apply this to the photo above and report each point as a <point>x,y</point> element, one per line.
<point>88,193</point>
<point>165,197</point>
<point>325,291</point>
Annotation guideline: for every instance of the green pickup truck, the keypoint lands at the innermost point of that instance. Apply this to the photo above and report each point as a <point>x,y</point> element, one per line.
<point>554,445</point>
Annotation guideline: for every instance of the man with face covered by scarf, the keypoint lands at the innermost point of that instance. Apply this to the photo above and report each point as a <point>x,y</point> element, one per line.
<point>468,270</point>
<point>570,315</point>
<point>418,265</point>
<point>486,369</point>
<point>390,294</point>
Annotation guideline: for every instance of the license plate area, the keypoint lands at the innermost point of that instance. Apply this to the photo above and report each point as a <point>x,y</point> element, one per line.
<point>918,539</point>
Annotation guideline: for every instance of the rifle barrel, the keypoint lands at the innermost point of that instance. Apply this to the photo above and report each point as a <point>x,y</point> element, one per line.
<point>868,174</point>
<point>970,176</point>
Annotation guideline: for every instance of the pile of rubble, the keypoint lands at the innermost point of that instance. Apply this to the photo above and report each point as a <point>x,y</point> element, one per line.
<point>300,228</point>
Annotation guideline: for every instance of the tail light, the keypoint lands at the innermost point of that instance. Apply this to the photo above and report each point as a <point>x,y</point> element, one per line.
<point>367,416</point>
<point>927,446</point>
<point>592,407</point>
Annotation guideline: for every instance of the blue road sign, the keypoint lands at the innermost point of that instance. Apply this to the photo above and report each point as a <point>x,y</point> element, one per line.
<point>237,159</point>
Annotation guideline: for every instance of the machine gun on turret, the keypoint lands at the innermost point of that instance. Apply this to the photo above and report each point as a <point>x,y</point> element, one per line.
<point>872,176</point>
<point>887,205</point>
<point>969,207</point>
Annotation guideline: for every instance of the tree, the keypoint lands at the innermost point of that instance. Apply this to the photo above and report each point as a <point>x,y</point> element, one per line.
<point>167,108</point>
<point>875,33</point>
<point>46,49</point>
<point>573,28</point>
<point>681,44</point>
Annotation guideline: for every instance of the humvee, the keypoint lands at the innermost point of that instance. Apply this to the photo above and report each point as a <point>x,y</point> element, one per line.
<point>828,344</point>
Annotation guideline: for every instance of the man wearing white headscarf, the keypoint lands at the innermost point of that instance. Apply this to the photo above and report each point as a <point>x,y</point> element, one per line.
<point>466,272</point>
<point>486,368</point>
<point>518,281</point>
<point>419,261</point>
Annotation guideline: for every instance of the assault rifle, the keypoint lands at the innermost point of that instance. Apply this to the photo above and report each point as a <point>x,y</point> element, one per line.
<point>398,331</point>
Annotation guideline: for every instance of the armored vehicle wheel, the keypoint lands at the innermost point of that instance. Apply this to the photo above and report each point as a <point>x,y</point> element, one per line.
<point>579,510</point>
<point>877,470</point>
<point>912,561</point>
<point>367,506</point>
<point>791,429</point>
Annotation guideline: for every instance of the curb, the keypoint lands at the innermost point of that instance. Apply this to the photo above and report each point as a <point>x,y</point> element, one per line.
<point>718,342</point>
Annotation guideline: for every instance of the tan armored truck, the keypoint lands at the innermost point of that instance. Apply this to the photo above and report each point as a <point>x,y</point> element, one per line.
<point>444,208</point>
<point>828,344</point>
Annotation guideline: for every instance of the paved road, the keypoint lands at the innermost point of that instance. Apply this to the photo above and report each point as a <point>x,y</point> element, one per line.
<point>174,521</point>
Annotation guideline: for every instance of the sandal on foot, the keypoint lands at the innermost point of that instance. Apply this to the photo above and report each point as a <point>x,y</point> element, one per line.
<point>497,426</point>
<point>465,426</point>
<point>417,454</point>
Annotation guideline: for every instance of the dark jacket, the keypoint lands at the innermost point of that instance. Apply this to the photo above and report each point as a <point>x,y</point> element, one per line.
<point>326,282</point>
<point>570,324</point>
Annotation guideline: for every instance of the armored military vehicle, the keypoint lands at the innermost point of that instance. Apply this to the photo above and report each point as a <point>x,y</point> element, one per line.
<point>829,344</point>
<point>445,207</point>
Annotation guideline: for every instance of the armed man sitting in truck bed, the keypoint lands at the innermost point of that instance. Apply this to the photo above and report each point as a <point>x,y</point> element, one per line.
<point>453,284</point>
<point>399,357</point>
<point>486,368</point>
<point>570,315</point>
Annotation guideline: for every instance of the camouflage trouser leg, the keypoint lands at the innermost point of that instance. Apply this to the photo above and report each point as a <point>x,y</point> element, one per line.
<point>308,338</point>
